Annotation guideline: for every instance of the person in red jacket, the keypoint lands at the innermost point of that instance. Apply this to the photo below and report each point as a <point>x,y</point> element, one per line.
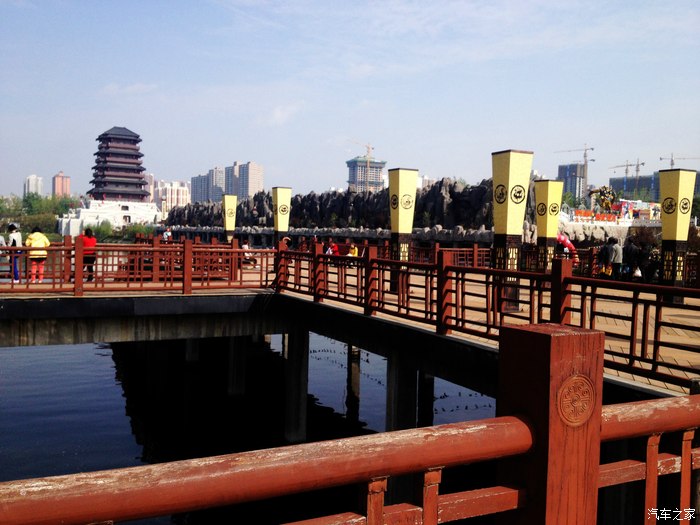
<point>89,252</point>
<point>332,247</point>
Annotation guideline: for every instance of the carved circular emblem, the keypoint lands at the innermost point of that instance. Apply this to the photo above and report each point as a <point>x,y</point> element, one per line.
<point>684,206</point>
<point>669,205</point>
<point>230,213</point>
<point>554,209</point>
<point>284,209</point>
<point>394,201</point>
<point>541,208</point>
<point>500,194</point>
<point>517,194</point>
<point>575,400</point>
<point>406,202</point>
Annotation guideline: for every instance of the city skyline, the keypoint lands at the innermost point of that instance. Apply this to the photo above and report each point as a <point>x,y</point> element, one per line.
<point>302,86</point>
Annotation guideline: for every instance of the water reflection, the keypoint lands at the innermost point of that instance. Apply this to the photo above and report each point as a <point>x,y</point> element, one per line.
<point>186,399</point>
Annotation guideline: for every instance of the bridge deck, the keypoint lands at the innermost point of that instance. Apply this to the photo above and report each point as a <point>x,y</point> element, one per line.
<point>608,324</point>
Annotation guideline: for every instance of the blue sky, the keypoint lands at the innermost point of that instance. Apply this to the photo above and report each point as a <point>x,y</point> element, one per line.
<point>301,86</point>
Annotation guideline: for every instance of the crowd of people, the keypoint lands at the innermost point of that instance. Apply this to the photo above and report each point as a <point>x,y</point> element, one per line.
<point>634,261</point>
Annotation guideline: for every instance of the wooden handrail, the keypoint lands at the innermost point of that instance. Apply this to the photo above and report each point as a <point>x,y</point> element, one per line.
<point>155,490</point>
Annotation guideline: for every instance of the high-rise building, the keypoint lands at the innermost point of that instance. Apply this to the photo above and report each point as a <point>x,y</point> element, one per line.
<point>33,184</point>
<point>117,173</point>
<point>60,185</point>
<point>216,184</point>
<point>575,178</point>
<point>645,187</point>
<point>250,180</point>
<point>150,186</point>
<point>199,188</point>
<point>365,174</point>
<point>244,180</point>
<point>231,179</point>
<point>169,195</point>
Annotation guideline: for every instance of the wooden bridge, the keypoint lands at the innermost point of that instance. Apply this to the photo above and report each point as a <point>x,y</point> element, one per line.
<point>555,332</point>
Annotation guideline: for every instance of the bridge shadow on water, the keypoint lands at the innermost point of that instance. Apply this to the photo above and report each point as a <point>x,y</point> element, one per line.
<point>185,402</point>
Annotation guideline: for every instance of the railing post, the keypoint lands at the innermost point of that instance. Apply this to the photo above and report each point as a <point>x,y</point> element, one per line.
<point>67,258</point>
<point>431,484</point>
<point>78,275</point>
<point>445,308</point>
<point>318,273</point>
<point>560,298</point>
<point>235,262</point>
<point>552,376</point>
<point>475,256</point>
<point>281,266</point>
<point>695,476</point>
<point>187,261</point>
<point>371,280</point>
<point>155,270</point>
<point>375,501</point>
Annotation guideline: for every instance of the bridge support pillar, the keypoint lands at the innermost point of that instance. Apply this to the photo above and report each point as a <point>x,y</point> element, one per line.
<point>552,375</point>
<point>237,357</point>
<point>192,350</point>
<point>426,398</point>
<point>297,385</point>
<point>352,400</point>
<point>401,393</point>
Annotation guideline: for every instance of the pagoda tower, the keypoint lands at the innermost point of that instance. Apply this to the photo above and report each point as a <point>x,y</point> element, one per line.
<point>117,173</point>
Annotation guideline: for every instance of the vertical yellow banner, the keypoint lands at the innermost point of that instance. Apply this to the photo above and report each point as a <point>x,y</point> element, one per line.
<point>511,182</point>
<point>229,204</point>
<point>548,196</point>
<point>281,206</point>
<point>677,187</point>
<point>402,199</point>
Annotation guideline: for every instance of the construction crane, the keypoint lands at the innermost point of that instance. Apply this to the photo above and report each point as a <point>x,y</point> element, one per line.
<point>627,165</point>
<point>673,160</point>
<point>586,148</point>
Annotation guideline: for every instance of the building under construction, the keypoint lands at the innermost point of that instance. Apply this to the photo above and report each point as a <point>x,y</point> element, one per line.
<point>365,174</point>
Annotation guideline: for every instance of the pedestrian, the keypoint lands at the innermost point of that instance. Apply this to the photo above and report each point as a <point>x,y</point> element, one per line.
<point>89,252</point>
<point>616,259</point>
<point>331,247</point>
<point>38,242</point>
<point>167,235</point>
<point>630,259</point>
<point>604,260</point>
<point>3,254</point>
<point>14,239</point>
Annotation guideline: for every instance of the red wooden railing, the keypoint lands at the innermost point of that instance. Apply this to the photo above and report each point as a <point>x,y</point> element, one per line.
<point>638,319</point>
<point>450,294</point>
<point>178,267</point>
<point>546,439</point>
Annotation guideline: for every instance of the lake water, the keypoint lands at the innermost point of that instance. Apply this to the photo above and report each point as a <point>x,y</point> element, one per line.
<point>68,409</point>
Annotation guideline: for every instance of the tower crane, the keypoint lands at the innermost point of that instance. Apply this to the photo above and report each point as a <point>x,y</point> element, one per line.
<point>627,166</point>
<point>586,148</point>
<point>673,160</point>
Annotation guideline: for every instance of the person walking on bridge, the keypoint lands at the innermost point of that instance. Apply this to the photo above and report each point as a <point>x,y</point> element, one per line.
<point>38,254</point>
<point>14,239</point>
<point>89,255</point>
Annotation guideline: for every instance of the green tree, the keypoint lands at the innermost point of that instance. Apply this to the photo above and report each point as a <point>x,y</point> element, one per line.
<point>568,198</point>
<point>103,230</point>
